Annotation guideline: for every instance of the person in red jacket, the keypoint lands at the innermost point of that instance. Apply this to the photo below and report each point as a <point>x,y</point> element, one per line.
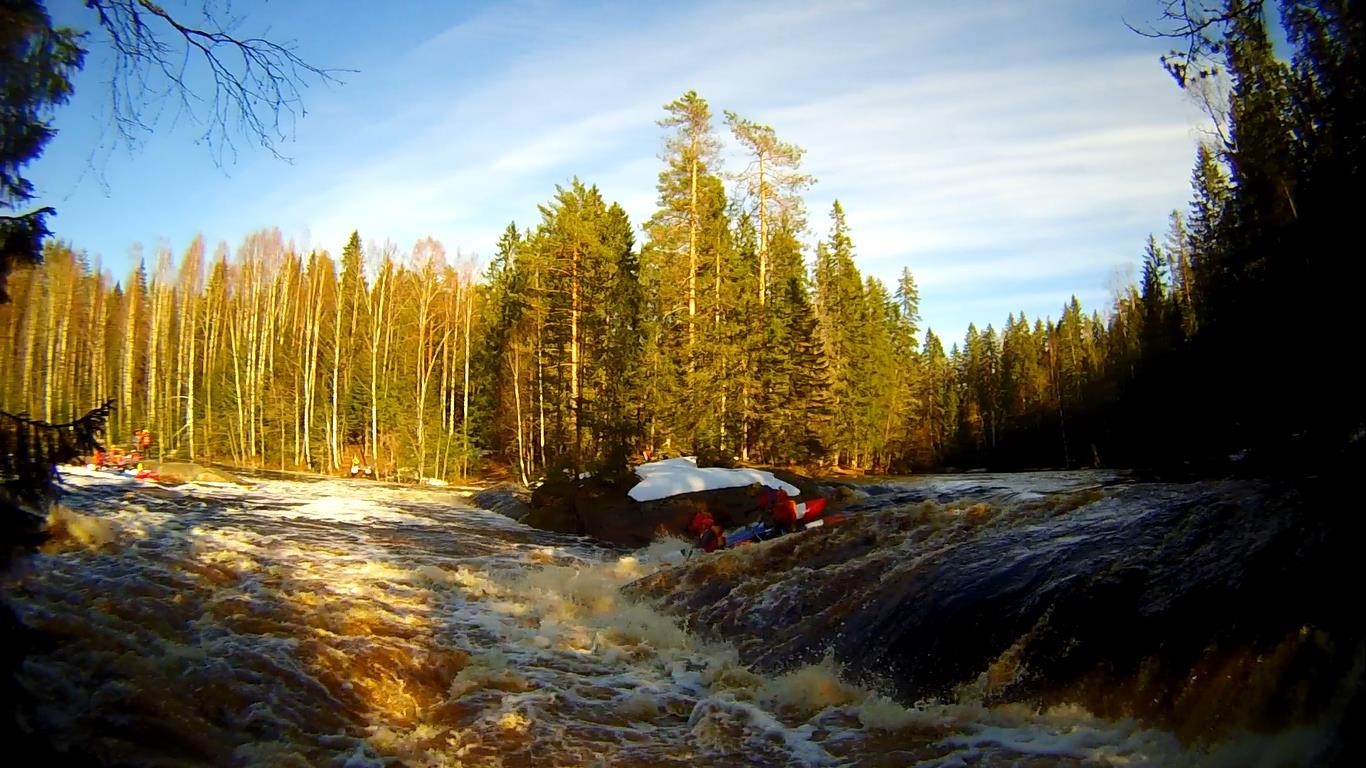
<point>778,509</point>
<point>714,538</point>
<point>701,523</point>
<point>710,534</point>
<point>785,513</point>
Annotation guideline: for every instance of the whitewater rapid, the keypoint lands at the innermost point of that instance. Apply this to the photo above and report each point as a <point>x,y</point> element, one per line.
<point>349,624</point>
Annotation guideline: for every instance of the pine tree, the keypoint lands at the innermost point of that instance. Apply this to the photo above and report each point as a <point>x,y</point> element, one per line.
<point>498,376</point>
<point>618,412</point>
<point>907,397</point>
<point>37,64</point>
<point>1154,301</point>
<point>846,323</point>
<point>675,231</point>
<point>716,390</point>
<point>585,283</point>
<point>774,183</point>
<point>878,381</point>
<point>941,413</point>
<point>1177,247</point>
<point>688,243</point>
<point>1208,211</point>
<point>795,403</point>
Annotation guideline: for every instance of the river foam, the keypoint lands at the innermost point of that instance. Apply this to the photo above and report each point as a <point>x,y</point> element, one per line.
<point>335,623</point>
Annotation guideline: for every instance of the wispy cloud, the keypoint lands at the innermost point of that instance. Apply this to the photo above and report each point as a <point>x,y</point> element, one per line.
<point>987,146</point>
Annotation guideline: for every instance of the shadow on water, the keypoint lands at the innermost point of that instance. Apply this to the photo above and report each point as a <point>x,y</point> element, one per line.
<point>1204,608</point>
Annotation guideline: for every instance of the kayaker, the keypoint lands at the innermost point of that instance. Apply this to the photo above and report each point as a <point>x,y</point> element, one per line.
<point>786,514</point>
<point>777,509</point>
<point>767,500</point>
<point>714,538</point>
<point>701,523</point>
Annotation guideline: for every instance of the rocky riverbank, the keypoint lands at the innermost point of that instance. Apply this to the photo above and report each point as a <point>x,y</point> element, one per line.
<point>601,507</point>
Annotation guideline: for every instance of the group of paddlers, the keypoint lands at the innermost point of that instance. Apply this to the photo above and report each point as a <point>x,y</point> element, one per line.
<point>778,512</point>
<point>117,457</point>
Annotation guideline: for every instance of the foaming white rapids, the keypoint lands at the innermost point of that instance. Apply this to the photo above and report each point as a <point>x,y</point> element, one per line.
<point>336,623</point>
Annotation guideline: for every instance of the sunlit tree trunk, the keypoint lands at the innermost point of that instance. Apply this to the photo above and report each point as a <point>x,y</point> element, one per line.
<point>50,351</point>
<point>692,252</point>
<point>378,299</point>
<point>575,395</point>
<point>465,405</point>
<point>517,399</point>
<point>334,422</point>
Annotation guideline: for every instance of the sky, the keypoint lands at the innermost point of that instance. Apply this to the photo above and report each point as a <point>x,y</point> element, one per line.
<point>1009,154</point>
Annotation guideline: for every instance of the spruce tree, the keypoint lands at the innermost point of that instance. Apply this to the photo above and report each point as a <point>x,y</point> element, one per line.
<point>37,63</point>
<point>683,262</point>
<point>846,323</point>
<point>796,402</point>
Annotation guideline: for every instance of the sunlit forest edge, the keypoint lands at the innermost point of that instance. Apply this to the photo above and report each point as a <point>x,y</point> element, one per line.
<point>723,334</point>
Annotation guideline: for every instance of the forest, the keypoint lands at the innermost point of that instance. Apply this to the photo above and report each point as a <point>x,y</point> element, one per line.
<point>738,330</point>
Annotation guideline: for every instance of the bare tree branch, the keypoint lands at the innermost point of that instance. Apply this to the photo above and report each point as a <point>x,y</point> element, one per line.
<point>1201,25</point>
<point>253,84</point>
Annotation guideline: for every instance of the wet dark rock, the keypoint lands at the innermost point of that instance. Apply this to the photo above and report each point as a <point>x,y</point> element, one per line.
<point>601,508</point>
<point>172,472</point>
<point>1200,607</point>
<point>507,499</point>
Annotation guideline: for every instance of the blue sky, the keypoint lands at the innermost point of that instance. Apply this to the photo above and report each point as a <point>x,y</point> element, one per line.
<point>1010,156</point>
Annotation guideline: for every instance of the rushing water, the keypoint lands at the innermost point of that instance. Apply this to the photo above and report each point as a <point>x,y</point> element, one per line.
<point>349,624</point>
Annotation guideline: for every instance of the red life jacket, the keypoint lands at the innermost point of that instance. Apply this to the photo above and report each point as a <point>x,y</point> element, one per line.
<point>785,513</point>
<point>712,541</point>
<point>770,499</point>
<point>701,522</point>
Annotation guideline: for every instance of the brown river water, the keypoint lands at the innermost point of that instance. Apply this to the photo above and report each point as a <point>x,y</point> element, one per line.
<point>335,623</point>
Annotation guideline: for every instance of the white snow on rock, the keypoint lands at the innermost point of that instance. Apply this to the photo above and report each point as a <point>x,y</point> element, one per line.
<point>671,477</point>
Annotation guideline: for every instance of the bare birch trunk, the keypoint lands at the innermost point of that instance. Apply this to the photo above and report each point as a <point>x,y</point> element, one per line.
<point>517,398</point>
<point>465,405</point>
<point>692,259</point>
<point>334,434</point>
<point>189,388</point>
<point>574,393</point>
<point>376,331</point>
<point>49,357</point>
<point>763,233</point>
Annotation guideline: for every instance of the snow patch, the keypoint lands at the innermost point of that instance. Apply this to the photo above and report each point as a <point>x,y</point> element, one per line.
<point>672,477</point>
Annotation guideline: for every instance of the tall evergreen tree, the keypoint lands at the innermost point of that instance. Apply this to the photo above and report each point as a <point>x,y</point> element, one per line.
<point>676,229</point>
<point>684,261</point>
<point>846,322</point>
<point>37,63</point>
<point>774,182</point>
<point>794,379</point>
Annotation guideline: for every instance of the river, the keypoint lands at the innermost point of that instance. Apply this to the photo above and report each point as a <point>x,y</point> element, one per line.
<point>342,623</point>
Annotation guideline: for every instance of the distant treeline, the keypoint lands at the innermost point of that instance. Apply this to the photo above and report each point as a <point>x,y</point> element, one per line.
<point>723,335</point>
